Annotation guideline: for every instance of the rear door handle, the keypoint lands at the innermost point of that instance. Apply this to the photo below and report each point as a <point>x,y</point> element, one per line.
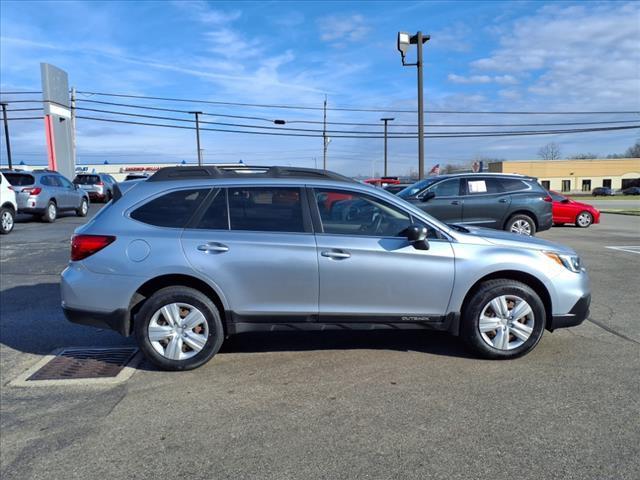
<point>336,254</point>
<point>455,202</point>
<point>213,247</point>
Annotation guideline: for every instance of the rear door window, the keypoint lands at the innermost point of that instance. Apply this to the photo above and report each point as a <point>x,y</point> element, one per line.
<point>483,186</point>
<point>172,209</point>
<point>19,179</point>
<point>216,215</point>
<point>266,209</point>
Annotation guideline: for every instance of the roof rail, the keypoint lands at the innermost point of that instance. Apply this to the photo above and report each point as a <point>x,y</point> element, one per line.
<point>243,171</point>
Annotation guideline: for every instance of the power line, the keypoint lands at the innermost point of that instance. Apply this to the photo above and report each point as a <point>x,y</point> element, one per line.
<point>463,135</point>
<point>355,109</point>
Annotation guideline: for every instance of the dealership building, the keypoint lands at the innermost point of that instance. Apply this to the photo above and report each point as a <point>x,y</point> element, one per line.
<point>576,176</point>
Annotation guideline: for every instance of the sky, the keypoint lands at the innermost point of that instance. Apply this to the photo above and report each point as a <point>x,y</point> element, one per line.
<point>482,56</point>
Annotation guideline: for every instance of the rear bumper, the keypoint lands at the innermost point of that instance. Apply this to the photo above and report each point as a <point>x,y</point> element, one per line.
<point>117,320</point>
<point>576,315</point>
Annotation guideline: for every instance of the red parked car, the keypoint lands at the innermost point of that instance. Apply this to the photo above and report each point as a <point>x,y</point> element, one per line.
<point>566,210</point>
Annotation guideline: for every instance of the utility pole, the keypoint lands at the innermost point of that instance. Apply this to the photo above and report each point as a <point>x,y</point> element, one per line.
<point>404,40</point>
<point>324,136</point>
<point>6,134</point>
<point>197,114</point>
<point>386,122</point>
<point>73,125</point>
<point>419,41</point>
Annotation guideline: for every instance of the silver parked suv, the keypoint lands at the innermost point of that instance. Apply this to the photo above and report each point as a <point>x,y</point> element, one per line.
<point>194,254</point>
<point>46,193</point>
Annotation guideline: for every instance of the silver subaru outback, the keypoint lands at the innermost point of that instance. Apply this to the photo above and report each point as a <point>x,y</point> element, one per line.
<point>195,254</point>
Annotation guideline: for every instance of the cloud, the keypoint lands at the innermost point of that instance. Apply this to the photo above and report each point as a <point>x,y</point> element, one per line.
<point>572,54</point>
<point>202,11</point>
<point>337,28</point>
<point>499,79</point>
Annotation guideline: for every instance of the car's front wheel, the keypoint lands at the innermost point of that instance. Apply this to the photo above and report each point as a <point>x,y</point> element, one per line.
<point>7,219</point>
<point>84,208</point>
<point>521,224</point>
<point>584,219</point>
<point>179,328</point>
<point>503,319</point>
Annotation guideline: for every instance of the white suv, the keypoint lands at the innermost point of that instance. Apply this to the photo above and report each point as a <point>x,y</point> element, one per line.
<point>8,205</point>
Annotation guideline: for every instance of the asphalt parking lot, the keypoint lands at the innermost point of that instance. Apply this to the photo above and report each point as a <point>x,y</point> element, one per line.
<point>329,405</point>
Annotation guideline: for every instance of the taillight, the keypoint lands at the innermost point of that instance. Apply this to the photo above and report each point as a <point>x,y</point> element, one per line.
<point>548,199</point>
<point>83,246</point>
<point>32,190</point>
<point>100,184</point>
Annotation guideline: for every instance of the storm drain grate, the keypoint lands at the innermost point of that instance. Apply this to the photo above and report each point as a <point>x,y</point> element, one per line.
<point>84,363</point>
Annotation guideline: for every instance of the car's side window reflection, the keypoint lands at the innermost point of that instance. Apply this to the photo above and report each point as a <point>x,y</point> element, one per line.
<point>354,213</point>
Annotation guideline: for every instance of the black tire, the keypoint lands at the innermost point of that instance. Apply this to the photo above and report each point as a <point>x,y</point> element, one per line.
<point>7,220</point>
<point>587,222</point>
<point>167,296</point>
<point>469,325</point>
<point>518,219</point>
<point>108,196</point>
<point>82,211</point>
<point>50,213</point>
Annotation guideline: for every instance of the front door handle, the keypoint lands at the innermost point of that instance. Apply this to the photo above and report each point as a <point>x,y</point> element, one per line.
<point>336,254</point>
<point>503,200</point>
<point>455,202</point>
<point>213,247</point>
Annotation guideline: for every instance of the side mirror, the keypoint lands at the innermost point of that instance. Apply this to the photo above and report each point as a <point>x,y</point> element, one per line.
<point>417,236</point>
<point>425,197</point>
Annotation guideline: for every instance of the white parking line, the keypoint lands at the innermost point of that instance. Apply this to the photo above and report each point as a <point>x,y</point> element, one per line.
<point>626,248</point>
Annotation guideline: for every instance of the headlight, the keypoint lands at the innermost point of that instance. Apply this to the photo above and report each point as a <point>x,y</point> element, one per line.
<point>570,262</point>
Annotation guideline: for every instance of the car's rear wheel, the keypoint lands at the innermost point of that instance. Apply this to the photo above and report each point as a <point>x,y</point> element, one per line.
<point>7,219</point>
<point>84,208</point>
<point>521,224</point>
<point>503,319</point>
<point>584,219</point>
<point>179,328</point>
<point>51,212</point>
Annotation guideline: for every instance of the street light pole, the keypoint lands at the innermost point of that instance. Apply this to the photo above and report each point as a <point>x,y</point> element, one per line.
<point>386,122</point>
<point>197,114</point>
<point>404,40</point>
<point>325,142</point>
<point>6,134</point>
<point>419,40</point>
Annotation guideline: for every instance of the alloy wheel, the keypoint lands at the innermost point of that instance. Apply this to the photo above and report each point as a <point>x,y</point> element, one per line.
<point>584,219</point>
<point>52,211</point>
<point>521,227</point>
<point>178,331</point>
<point>84,208</point>
<point>506,322</point>
<point>7,221</point>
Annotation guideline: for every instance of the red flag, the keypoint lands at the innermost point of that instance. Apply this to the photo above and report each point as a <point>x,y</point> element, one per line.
<point>435,170</point>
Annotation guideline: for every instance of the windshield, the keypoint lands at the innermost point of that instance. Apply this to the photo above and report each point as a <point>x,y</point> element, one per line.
<point>557,197</point>
<point>414,189</point>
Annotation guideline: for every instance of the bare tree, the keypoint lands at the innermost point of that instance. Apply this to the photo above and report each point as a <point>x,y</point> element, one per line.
<point>633,151</point>
<point>583,156</point>
<point>551,151</point>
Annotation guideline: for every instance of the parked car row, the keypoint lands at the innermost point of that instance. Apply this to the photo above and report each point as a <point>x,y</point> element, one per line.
<point>608,192</point>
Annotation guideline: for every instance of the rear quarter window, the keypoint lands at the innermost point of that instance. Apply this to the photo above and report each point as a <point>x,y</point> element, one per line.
<point>19,179</point>
<point>513,185</point>
<point>172,209</point>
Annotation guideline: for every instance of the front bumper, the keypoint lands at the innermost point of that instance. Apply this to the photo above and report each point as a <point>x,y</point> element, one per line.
<point>576,315</point>
<point>118,320</point>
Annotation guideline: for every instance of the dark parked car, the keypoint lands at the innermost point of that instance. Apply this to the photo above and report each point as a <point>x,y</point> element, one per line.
<point>136,176</point>
<point>602,192</point>
<point>99,186</point>
<point>631,191</point>
<point>515,203</point>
